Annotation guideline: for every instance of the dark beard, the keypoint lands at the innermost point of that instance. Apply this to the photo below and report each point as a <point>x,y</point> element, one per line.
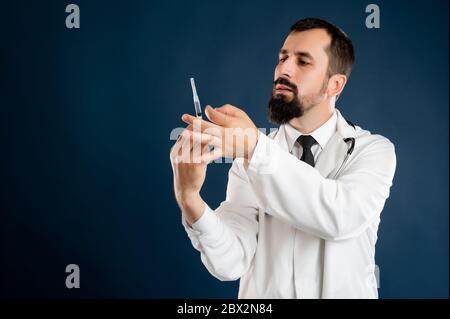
<point>281,110</point>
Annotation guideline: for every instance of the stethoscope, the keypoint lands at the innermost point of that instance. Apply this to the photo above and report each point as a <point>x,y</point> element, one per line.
<point>352,145</point>
<point>349,152</point>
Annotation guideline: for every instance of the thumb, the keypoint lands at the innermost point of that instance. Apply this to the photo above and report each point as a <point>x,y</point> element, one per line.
<point>229,110</point>
<point>217,117</point>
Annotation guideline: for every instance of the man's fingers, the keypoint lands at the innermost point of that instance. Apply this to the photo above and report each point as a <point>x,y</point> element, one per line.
<point>178,143</point>
<point>184,147</point>
<point>189,127</point>
<point>175,150</point>
<point>212,155</point>
<point>202,144</point>
<point>230,110</point>
<point>202,125</point>
<point>193,145</point>
<point>206,139</point>
<point>219,118</point>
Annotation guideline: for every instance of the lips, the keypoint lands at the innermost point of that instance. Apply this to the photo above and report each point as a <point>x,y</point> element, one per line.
<point>281,87</point>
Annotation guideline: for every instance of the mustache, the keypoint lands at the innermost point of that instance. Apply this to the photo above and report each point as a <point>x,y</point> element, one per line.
<point>284,81</point>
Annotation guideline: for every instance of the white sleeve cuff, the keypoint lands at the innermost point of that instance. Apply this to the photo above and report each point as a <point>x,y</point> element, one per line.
<point>264,159</point>
<point>206,224</point>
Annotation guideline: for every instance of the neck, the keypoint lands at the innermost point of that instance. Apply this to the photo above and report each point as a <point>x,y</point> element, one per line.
<point>313,118</point>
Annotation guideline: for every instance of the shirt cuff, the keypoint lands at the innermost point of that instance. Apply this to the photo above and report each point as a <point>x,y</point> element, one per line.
<point>263,160</point>
<point>204,225</point>
<point>206,222</point>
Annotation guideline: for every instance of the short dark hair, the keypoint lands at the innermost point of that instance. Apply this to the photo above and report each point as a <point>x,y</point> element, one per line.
<point>341,53</point>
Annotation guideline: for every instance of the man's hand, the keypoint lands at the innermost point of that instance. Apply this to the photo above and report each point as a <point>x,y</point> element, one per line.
<point>232,133</point>
<point>188,175</point>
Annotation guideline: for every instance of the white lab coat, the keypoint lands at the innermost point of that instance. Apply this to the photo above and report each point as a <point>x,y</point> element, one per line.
<point>289,230</point>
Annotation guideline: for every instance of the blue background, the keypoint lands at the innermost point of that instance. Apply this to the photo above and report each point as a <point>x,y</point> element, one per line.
<point>86,118</point>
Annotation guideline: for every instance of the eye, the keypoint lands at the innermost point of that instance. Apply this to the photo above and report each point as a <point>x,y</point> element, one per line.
<point>301,62</point>
<point>282,59</point>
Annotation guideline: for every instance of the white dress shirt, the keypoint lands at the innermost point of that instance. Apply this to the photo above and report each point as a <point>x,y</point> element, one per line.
<point>290,230</point>
<point>321,135</point>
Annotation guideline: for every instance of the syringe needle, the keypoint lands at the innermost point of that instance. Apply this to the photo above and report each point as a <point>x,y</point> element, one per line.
<point>198,109</point>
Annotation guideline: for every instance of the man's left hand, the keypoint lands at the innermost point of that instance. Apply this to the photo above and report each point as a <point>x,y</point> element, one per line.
<point>231,132</point>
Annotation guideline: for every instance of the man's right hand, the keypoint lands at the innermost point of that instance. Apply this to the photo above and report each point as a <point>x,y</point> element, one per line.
<point>189,174</point>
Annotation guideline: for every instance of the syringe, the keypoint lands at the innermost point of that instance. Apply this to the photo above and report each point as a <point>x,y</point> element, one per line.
<point>198,108</point>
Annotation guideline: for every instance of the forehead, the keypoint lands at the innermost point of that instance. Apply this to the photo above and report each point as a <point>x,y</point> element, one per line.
<point>314,41</point>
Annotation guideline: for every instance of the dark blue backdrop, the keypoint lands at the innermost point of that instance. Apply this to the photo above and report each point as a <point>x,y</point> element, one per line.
<point>86,118</point>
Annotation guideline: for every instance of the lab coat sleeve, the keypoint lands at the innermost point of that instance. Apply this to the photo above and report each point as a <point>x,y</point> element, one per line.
<point>332,209</point>
<point>226,238</point>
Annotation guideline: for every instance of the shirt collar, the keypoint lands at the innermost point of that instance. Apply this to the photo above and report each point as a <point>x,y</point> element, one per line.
<point>322,134</point>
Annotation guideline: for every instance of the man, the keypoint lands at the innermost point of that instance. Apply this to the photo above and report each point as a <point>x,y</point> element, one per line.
<point>303,204</point>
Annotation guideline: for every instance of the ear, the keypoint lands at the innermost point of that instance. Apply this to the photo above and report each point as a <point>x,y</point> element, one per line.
<point>336,84</point>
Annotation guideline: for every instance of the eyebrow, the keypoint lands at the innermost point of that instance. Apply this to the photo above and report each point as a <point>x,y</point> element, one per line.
<point>298,53</point>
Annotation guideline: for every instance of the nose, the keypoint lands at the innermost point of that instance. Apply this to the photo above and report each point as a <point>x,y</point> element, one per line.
<point>286,68</point>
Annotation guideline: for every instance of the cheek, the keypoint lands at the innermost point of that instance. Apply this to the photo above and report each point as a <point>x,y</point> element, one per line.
<point>276,73</point>
<point>312,81</point>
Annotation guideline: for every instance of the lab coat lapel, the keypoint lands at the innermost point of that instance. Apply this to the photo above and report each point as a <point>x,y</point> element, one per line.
<point>332,155</point>
<point>335,151</point>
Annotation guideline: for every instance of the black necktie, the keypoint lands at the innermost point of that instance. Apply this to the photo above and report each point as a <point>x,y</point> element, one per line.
<point>306,141</point>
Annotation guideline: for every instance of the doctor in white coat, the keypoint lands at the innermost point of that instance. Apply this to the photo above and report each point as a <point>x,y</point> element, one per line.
<point>303,204</point>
